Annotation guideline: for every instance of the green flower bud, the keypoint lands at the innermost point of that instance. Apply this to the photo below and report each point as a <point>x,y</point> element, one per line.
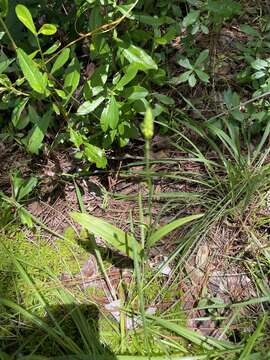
<point>148,124</point>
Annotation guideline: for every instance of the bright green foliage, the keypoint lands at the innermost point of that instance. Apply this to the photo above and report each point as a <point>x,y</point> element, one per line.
<point>25,17</point>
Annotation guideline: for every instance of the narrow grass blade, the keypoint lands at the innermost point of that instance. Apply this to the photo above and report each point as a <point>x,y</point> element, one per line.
<point>166,229</point>
<point>205,342</point>
<point>252,340</point>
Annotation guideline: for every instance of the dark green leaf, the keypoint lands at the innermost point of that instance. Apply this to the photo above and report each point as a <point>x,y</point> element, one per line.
<point>247,29</point>
<point>4,62</point>
<point>3,8</point>
<point>164,99</point>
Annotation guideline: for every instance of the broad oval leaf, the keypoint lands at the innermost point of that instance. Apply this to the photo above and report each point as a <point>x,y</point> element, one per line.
<point>60,61</point>
<point>47,29</point>
<point>202,75</point>
<point>166,229</point>
<point>110,115</point>
<point>36,80</point>
<point>192,80</point>
<point>135,54</point>
<point>202,57</point>
<point>88,106</point>
<point>25,17</point>
<point>135,93</point>
<point>191,18</point>
<point>95,155</point>
<point>114,236</point>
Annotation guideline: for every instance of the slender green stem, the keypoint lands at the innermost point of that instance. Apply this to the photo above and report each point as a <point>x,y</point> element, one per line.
<point>149,180</point>
<point>40,51</point>
<point>8,33</point>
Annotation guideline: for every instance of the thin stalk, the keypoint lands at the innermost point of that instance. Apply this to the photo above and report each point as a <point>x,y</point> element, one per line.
<point>149,180</point>
<point>8,33</point>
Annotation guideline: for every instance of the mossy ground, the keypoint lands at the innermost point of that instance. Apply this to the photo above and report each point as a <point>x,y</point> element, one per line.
<point>44,262</point>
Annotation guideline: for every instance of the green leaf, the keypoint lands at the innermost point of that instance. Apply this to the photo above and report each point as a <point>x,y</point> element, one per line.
<point>202,57</point>
<point>259,64</point>
<point>191,18</point>
<point>202,75</point>
<point>4,62</point>
<point>89,106</point>
<point>3,8</point>
<point>166,229</point>
<point>115,237</point>
<point>60,61</point>
<point>252,340</point>
<point>72,77</point>
<point>53,48</point>
<point>194,337</point>
<point>135,93</point>
<point>110,115</point>
<point>180,79</point>
<point>185,63</point>
<point>36,135</point>
<point>164,99</point>
<point>25,17</point>
<point>135,54</point>
<point>130,73</point>
<point>95,85</point>
<point>27,188</point>
<point>192,80</point>
<point>36,80</point>
<point>76,138</point>
<point>95,155</point>
<point>249,30</point>
<point>47,29</point>
<point>154,21</point>
<point>16,114</point>
<point>258,75</point>
<point>25,217</point>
